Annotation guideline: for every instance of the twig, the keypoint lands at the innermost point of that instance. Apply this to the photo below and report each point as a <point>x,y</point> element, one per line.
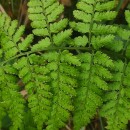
<point>68,128</point>
<point>12,6</point>
<point>101,123</point>
<point>119,5</point>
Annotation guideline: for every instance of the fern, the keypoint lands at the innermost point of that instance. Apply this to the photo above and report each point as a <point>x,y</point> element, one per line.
<point>116,101</point>
<point>9,88</point>
<point>45,24</point>
<point>116,107</point>
<point>91,16</point>
<point>91,85</point>
<point>66,77</point>
<point>62,82</point>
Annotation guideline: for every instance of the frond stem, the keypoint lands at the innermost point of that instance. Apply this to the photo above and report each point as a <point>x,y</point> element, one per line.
<point>91,25</point>
<point>88,49</point>
<point>48,26</point>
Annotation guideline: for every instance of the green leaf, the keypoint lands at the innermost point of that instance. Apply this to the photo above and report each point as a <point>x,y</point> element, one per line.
<point>13,27</point>
<point>80,27</point>
<point>61,37</point>
<point>58,26</point>
<point>80,15</point>
<point>69,58</point>
<point>85,7</point>
<point>105,6</point>
<point>101,16</point>
<point>80,41</point>
<point>18,34</point>
<point>41,32</point>
<point>101,41</point>
<point>55,14</point>
<point>26,43</point>
<point>43,44</point>
<point>127,16</point>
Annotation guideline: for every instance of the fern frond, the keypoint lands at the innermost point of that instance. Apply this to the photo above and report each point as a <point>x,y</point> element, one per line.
<point>48,23</point>
<point>63,82</point>
<point>9,92</point>
<point>11,46</point>
<point>122,41</point>
<point>116,101</point>
<point>65,76</point>
<point>90,22</point>
<point>91,86</point>
<point>31,72</point>
<point>91,16</point>
<point>11,42</point>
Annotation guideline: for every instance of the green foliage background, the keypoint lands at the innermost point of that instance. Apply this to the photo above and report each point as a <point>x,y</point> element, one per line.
<point>72,70</point>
